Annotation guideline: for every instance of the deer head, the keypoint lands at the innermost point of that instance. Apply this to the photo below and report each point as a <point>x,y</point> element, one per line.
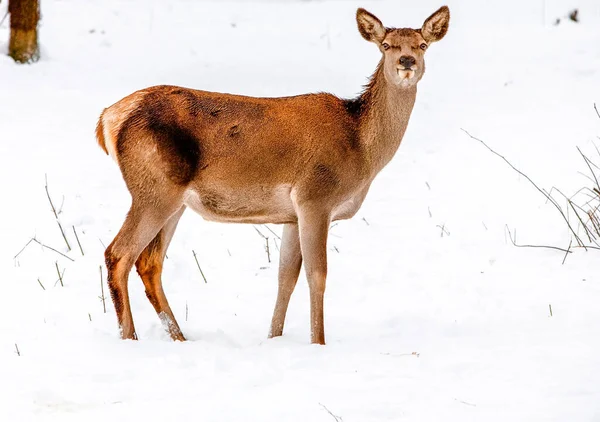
<point>403,49</point>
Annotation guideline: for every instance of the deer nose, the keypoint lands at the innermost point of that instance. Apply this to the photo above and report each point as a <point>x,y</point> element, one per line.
<point>407,61</point>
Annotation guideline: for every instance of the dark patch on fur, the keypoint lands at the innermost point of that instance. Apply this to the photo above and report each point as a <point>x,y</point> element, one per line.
<point>198,104</point>
<point>218,205</point>
<point>211,202</point>
<point>144,263</point>
<point>178,147</point>
<point>147,266</point>
<point>194,104</point>
<point>115,293</point>
<point>233,131</point>
<point>325,177</point>
<point>354,106</point>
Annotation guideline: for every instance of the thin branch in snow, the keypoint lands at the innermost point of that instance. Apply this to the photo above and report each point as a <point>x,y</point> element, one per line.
<point>268,250</point>
<point>587,162</point>
<point>78,242</point>
<point>275,234</point>
<point>56,215</point>
<point>514,242</point>
<point>52,249</point>
<point>23,248</point>
<point>443,230</point>
<point>565,258</point>
<point>198,264</point>
<point>4,18</point>
<point>550,306</point>
<point>59,274</point>
<point>337,418</point>
<point>102,291</point>
<point>542,191</point>
<point>17,350</point>
<point>38,280</point>
<point>464,402</point>
<point>259,232</point>
<point>596,108</point>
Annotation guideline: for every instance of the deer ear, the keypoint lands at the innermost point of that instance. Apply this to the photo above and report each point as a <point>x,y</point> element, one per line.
<point>436,25</point>
<point>369,26</point>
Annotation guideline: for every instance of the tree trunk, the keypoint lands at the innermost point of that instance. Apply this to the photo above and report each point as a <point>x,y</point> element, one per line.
<point>24,17</point>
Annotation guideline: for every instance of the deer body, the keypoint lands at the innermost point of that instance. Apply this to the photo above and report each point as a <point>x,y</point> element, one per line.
<point>302,161</point>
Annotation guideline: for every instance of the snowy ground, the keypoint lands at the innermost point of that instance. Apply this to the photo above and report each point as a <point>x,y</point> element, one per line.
<point>422,323</point>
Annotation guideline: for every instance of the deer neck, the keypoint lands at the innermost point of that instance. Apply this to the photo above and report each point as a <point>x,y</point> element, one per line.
<point>386,111</point>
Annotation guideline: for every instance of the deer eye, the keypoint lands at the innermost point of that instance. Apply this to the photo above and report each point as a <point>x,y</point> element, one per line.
<point>385,46</point>
<point>423,46</point>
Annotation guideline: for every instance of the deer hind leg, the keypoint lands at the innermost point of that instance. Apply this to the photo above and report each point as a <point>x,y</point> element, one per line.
<point>149,266</point>
<point>140,227</point>
<point>314,227</point>
<point>290,261</point>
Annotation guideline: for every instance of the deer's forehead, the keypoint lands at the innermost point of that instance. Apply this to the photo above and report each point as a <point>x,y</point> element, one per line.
<point>403,36</point>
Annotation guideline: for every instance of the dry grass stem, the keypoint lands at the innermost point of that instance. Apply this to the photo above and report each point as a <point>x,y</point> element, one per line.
<point>198,264</point>
<point>78,242</point>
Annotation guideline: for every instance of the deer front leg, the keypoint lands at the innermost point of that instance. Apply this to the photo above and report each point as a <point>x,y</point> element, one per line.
<point>290,261</point>
<point>314,226</point>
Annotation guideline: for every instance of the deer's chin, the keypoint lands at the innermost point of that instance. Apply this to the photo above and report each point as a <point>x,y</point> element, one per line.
<point>406,78</point>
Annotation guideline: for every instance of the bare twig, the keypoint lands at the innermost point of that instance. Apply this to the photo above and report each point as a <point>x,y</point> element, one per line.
<point>23,248</point>
<point>550,306</point>
<point>467,403</point>
<point>542,191</point>
<point>78,242</point>
<point>259,232</point>
<point>4,18</point>
<point>565,258</point>
<point>337,418</point>
<point>56,215</point>
<point>596,108</point>
<point>274,234</point>
<point>17,350</point>
<point>267,249</point>
<point>52,249</point>
<point>102,291</point>
<point>513,241</point>
<point>443,230</point>
<point>587,161</point>
<point>59,274</point>
<point>38,280</point>
<point>198,264</point>
<point>365,220</point>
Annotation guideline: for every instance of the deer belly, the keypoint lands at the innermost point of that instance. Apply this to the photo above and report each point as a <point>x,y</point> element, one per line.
<point>251,205</point>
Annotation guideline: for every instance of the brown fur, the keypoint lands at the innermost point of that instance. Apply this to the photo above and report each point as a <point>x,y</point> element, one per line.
<point>100,134</point>
<point>302,161</point>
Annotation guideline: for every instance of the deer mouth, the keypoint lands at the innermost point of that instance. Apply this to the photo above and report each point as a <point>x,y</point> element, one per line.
<point>406,73</point>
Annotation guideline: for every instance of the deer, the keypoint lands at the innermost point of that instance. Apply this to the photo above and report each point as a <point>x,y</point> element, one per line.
<point>301,161</point>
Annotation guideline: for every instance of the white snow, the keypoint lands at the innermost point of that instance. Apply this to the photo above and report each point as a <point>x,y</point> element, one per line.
<point>431,313</point>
